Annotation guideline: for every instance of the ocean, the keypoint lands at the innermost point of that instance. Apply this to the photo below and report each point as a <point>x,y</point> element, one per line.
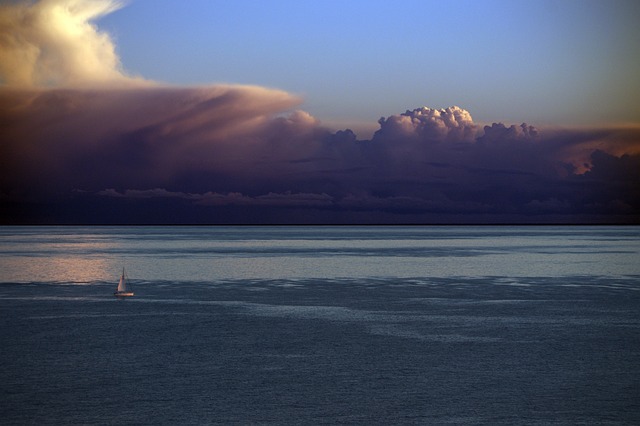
<point>501,325</point>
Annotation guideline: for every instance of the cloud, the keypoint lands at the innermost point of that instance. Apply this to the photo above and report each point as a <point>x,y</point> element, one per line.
<point>287,199</point>
<point>428,125</point>
<point>82,141</point>
<point>225,146</point>
<point>55,43</point>
<point>148,136</point>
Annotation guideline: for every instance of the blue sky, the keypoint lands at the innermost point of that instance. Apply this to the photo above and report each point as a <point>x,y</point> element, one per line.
<point>555,63</point>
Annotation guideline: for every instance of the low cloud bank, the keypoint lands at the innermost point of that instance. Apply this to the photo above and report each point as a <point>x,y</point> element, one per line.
<point>238,146</point>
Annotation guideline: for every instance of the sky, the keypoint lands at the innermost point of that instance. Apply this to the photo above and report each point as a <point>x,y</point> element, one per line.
<point>551,62</point>
<point>160,111</point>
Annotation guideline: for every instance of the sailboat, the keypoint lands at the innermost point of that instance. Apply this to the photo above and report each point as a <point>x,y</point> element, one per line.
<point>122,287</point>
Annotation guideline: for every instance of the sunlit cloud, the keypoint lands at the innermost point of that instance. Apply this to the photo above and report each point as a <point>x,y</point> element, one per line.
<point>56,43</point>
<point>429,124</point>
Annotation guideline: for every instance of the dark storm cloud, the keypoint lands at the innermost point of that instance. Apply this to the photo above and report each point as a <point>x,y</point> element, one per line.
<point>62,139</point>
<point>224,146</point>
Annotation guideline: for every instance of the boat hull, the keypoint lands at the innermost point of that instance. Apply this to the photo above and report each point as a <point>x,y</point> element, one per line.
<point>123,293</point>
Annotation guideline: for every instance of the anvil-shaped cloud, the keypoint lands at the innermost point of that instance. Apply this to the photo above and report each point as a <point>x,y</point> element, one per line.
<point>84,142</point>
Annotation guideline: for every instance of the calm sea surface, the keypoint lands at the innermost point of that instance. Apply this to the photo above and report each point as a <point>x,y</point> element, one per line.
<point>320,325</point>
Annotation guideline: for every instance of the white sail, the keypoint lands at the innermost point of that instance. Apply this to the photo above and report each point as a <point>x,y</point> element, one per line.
<point>122,285</point>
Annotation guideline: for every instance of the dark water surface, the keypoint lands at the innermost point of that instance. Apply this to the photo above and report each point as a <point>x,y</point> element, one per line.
<point>407,325</point>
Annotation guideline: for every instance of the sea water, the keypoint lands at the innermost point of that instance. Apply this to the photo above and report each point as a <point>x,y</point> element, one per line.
<point>320,325</point>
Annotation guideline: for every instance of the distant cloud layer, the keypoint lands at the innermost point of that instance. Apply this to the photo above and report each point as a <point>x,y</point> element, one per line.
<point>83,142</point>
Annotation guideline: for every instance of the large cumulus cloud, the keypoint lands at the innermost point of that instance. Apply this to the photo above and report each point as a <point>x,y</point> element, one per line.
<point>54,42</point>
<point>82,141</point>
<point>428,125</point>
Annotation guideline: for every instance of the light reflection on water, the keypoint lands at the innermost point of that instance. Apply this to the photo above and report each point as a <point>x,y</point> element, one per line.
<point>72,269</point>
<point>86,254</point>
